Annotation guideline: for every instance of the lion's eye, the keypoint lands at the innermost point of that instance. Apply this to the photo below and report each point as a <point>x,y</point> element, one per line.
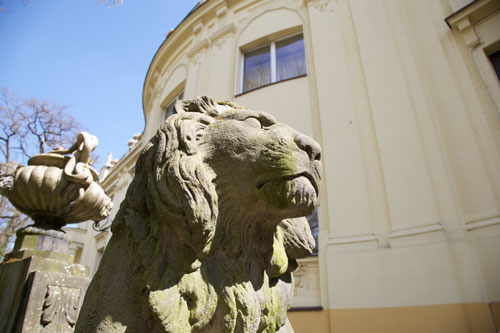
<point>254,122</point>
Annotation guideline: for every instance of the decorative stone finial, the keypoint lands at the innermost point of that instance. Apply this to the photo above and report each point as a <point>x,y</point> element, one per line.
<point>57,188</point>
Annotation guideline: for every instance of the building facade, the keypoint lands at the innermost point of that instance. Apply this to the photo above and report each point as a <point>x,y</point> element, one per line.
<point>404,99</point>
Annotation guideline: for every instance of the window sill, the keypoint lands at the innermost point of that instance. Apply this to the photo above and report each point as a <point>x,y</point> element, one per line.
<point>270,84</point>
<point>306,308</point>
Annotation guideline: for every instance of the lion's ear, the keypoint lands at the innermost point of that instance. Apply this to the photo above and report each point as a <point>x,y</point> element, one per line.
<point>190,134</point>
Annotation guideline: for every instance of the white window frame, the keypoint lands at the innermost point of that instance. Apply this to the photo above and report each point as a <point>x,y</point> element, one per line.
<point>272,54</point>
<point>172,102</point>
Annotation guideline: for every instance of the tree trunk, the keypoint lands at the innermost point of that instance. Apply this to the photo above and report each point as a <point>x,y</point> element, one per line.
<point>13,223</point>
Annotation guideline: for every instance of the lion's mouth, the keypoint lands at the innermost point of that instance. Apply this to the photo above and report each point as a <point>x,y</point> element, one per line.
<point>304,174</point>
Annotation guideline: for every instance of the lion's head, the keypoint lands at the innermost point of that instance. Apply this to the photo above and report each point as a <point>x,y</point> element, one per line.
<point>214,219</point>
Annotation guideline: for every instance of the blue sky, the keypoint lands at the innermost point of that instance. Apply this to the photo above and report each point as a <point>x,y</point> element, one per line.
<point>79,53</point>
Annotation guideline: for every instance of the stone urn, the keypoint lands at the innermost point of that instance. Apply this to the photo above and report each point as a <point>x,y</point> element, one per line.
<point>55,189</point>
<point>44,191</point>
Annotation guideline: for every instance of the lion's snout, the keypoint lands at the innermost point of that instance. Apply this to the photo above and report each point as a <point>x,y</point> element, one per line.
<point>308,145</point>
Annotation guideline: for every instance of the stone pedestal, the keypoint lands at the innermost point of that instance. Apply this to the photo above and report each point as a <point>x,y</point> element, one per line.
<point>41,289</point>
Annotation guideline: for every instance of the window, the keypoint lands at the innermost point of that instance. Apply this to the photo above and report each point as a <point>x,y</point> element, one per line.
<point>495,62</point>
<point>281,60</point>
<point>169,109</point>
<point>314,225</point>
<point>77,259</point>
<point>98,257</point>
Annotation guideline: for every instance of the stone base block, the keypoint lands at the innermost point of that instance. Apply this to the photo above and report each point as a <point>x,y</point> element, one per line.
<point>39,294</point>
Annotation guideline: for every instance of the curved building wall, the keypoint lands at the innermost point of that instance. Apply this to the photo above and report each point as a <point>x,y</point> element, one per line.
<point>404,101</point>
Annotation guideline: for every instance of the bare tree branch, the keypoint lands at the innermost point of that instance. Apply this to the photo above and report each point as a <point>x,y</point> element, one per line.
<point>111,3</point>
<point>28,127</point>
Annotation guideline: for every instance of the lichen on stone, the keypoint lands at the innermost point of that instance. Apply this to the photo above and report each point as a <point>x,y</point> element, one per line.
<point>208,234</point>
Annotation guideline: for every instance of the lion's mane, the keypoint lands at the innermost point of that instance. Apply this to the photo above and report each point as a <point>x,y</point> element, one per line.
<point>158,259</point>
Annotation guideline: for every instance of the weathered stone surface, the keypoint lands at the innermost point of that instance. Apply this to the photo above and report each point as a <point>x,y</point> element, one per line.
<point>22,286</point>
<point>45,243</point>
<point>53,302</point>
<point>40,288</point>
<point>57,188</point>
<point>207,236</point>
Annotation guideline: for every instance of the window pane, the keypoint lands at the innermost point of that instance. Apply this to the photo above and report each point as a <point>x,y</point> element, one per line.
<point>257,69</point>
<point>495,61</point>
<point>290,58</point>
<point>314,225</point>
<point>169,109</point>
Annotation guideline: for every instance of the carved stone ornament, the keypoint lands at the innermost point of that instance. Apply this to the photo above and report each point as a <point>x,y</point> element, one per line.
<point>60,309</point>
<point>211,227</point>
<point>58,187</point>
<point>320,5</point>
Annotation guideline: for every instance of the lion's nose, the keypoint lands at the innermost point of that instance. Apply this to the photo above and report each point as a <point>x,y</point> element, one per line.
<point>310,146</point>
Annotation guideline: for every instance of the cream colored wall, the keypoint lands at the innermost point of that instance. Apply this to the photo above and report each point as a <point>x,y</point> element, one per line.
<point>397,116</point>
<point>287,101</point>
<point>406,110</point>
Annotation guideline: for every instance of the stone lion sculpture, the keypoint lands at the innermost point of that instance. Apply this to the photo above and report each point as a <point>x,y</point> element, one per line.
<point>207,236</point>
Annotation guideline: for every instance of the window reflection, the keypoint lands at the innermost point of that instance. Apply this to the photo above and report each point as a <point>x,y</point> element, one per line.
<point>314,225</point>
<point>290,58</point>
<point>169,109</point>
<point>278,61</point>
<point>257,71</point>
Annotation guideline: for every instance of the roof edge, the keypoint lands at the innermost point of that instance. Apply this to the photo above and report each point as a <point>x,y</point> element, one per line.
<point>167,37</point>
